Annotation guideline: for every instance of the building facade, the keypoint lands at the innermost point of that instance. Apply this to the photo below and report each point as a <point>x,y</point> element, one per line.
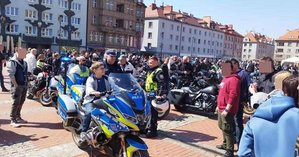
<point>116,24</point>
<point>232,42</point>
<point>256,46</point>
<point>168,32</point>
<point>44,24</point>
<point>287,46</point>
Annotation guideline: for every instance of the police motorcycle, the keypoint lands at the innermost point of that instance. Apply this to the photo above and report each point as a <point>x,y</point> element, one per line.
<point>61,84</point>
<point>127,115</point>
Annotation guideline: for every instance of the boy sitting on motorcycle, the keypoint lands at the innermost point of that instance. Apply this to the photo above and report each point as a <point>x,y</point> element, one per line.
<point>96,84</point>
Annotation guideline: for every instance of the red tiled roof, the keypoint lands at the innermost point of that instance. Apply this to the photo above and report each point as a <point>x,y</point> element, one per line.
<point>257,37</point>
<point>292,35</point>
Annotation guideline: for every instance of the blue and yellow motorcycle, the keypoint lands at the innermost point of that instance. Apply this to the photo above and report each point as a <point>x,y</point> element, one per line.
<point>118,125</point>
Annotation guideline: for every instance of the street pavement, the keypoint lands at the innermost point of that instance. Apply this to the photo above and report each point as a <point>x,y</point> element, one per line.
<point>180,134</point>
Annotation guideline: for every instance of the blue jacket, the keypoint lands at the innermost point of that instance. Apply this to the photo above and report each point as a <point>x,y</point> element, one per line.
<point>273,130</point>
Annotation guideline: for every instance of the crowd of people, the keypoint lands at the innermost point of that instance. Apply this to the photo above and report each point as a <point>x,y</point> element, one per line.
<point>272,130</point>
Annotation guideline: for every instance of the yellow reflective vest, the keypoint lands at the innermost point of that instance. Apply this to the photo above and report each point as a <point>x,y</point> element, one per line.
<point>150,85</point>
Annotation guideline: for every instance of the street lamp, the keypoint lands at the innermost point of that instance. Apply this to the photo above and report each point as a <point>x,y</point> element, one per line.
<point>60,17</point>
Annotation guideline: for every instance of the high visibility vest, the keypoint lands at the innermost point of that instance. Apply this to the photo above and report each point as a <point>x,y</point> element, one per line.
<point>150,85</point>
<point>83,73</point>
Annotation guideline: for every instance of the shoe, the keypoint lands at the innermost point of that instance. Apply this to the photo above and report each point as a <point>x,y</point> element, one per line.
<point>20,120</point>
<point>221,147</point>
<point>151,135</point>
<point>228,154</point>
<point>30,96</point>
<point>15,124</point>
<point>5,90</point>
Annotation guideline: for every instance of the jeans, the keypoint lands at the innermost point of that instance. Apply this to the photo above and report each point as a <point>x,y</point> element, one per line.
<point>19,96</point>
<point>1,78</point>
<point>239,124</point>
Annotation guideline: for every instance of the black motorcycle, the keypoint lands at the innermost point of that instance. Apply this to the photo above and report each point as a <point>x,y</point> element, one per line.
<point>202,99</point>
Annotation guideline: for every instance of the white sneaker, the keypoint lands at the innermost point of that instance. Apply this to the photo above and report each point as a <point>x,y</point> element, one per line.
<point>15,124</point>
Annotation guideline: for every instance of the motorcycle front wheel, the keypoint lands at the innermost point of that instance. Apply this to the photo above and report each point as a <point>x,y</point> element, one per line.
<point>138,153</point>
<point>45,99</point>
<point>78,141</point>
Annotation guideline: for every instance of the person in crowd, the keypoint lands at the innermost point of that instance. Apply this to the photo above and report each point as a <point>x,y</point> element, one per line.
<point>173,65</point>
<point>96,84</point>
<point>244,97</point>
<point>95,57</point>
<point>79,72</point>
<point>227,104</point>
<point>156,82</point>
<point>40,64</point>
<point>88,59</point>
<point>274,128</point>
<point>2,63</point>
<point>164,68</point>
<point>56,63</point>
<point>110,63</point>
<point>126,66</point>
<point>265,82</point>
<point>17,70</point>
<point>31,60</point>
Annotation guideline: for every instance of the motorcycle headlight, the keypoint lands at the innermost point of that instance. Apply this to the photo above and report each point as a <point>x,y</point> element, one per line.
<point>130,118</point>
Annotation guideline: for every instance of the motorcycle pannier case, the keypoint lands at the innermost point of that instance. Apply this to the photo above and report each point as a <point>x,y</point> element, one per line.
<point>66,109</point>
<point>176,96</point>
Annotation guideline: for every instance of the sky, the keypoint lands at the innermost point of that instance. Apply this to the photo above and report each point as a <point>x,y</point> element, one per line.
<point>270,17</point>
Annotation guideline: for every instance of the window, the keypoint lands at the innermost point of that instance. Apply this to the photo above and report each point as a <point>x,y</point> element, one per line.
<point>182,48</point>
<point>205,33</point>
<point>249,50</point>
<point>183,38</point>
<point>32,1</point>
<point>289,51</point>
<point>297,50</point>
<point>47,32</point>
<point>212,43</point>
<point>189,49</point>
<point>163,25</point>
<point>63,4</point>
<point>93,19</point>
<point>183,29</point>
<point>75,21</point>
<point>199,32</point>
<point>195,31</point>
<point>150,35</point>
<point>171,36</point>
<point>150,25</point>
<point>198,50</point>
<point>250,44</point>
<point>110,39</point>
<point>198,41</point>
<point>172,26</point>
<point>245,50</point>
<point>297,44</point>
<point>170,47</point>
<point>47,2</point>
<point>279,50</point>
<point>208,42</point>
<point>189,39</point>
<point>162,35</point>
<point>178,28</point>
<point>149,45</point>
<point>190,30</point>
<point>91,36</point>
<point>12,28</point>
<point>244,56</point>
<point>245,44</point>
<point>109,5</point>
<point>76,35</point>
<point>280,44</point>
<point>12,11</point>
<point>76,6</point>
<point>30,13</point>
<point>94,3</point>
<point>121,8</point>
<point>204,42</point>
<point>289,44</point>
<point>30,30</point>
<point>64,19</point>
<point>176,47</point>
<point>177,38</point>
<point>47,16</point>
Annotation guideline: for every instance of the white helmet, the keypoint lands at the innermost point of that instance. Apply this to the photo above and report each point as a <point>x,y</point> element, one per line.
<point>161,105</point>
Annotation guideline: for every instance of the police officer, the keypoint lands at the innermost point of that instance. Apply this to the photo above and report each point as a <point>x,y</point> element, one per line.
<point>17,69</point>
<point>80,70</point>
<point>155,81</point>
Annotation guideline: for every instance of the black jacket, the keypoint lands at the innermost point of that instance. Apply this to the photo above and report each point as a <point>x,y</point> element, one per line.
<point>114,68</point>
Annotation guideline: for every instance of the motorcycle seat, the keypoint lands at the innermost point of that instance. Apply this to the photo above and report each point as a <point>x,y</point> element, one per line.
<point>189,90</point>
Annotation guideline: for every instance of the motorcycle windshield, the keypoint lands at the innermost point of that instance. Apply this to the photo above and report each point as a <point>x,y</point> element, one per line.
<point>121,82</point>
<point>125,86</point>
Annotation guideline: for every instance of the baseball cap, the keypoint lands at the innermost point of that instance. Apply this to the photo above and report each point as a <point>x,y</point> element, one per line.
<point>110,53</point>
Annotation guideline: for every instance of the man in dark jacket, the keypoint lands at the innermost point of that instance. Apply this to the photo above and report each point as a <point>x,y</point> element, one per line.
<point>155,81</point>
<point>227,104</point>
<point>110,63</point>
<point>2,62</point>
